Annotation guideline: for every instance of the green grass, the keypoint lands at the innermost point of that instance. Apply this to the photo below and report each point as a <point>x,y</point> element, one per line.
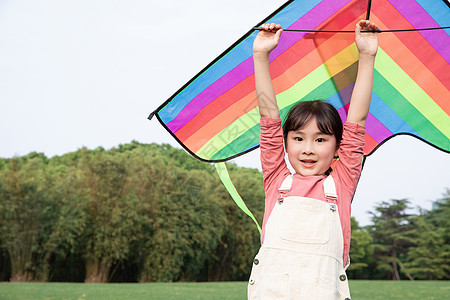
<point>360,289</point>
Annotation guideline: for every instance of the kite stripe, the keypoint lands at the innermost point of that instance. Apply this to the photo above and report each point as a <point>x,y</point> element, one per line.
<point>389,118</point>
<point>411,91</point>
<point>407,111</point>
<point>437,9</point>
<point>419,71</point>
<point>426,53</point>
<point>419,18</point>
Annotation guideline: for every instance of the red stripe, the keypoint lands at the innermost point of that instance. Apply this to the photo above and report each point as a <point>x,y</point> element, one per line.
<point>414,41</point>
<point>369,144</point>
<point>415,69</point>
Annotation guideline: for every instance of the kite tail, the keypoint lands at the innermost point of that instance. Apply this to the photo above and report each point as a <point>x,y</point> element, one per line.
<point>226,180</point>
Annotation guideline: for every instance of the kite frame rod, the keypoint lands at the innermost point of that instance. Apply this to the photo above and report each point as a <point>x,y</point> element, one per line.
<point>352,31</point>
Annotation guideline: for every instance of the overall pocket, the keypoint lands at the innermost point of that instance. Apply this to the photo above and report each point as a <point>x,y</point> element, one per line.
<point>305,226</point>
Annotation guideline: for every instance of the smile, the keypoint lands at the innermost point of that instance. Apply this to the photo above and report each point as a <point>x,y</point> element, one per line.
<point>308,162</point>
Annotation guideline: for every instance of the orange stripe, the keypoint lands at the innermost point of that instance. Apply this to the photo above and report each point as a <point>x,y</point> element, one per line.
<point>414,41</point>
<point>312,61</point>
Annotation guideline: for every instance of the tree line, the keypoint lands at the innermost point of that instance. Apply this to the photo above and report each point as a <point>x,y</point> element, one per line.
<point>148,212</point>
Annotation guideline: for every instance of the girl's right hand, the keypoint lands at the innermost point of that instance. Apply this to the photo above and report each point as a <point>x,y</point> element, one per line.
<point>267,39</point>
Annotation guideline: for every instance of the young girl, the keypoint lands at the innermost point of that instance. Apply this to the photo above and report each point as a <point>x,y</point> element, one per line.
<point>306,229</point>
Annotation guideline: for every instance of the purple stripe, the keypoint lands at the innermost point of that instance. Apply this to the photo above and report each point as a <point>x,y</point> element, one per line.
<point>419,18</point>
<point>343,113</point>
<point>374,127</point>
<point>315,17</point>
<point>312,19</point>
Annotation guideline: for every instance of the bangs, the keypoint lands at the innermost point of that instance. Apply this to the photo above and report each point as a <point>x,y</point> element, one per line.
<point>328,120</point>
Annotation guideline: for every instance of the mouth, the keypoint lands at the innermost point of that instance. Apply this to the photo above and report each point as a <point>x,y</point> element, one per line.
<point>308,163</point>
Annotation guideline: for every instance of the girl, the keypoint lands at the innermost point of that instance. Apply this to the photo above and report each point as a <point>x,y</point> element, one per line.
<point>306,228</point>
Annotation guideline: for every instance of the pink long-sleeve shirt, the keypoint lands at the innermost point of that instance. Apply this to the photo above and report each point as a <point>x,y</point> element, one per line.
<point>346,172</point>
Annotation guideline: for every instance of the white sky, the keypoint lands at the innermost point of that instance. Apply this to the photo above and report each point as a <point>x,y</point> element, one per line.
<point>79,73</point>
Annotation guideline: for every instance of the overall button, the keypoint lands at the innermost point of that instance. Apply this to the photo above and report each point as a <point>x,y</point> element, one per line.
<point>252,281</point>
<point>342,277</point>
<point>347,299</point>
<point>256,261</point>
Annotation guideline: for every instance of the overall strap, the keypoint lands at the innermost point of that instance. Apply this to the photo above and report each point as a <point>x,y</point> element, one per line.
<point>286,184</point>
<point>285,188</point>
<point>330,190</point>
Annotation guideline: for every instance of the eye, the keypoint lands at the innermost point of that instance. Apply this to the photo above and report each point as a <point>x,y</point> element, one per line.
<point>320,140</point>
<point>298,139</point>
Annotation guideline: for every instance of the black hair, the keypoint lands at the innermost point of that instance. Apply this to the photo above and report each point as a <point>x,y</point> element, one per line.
<point>327,118</point>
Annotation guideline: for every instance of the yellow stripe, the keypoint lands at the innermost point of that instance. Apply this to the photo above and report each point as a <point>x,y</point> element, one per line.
<point>412,92</point>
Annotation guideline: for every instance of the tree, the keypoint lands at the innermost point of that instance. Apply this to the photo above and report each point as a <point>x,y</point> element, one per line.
<point>187,225</point>
<point>63,188</point>
<point>391,233</point>
<point>429,257</point>
<point>240,241</point>
<point>439,217</point>
<point>151,211</point>
<point>26,215</point>
<point>112,213</point>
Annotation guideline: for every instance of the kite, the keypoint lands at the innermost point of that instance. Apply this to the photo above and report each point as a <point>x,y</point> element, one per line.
<point>215,115</point>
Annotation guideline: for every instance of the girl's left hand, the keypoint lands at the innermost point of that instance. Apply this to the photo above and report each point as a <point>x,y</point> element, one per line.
<point>366,42</point>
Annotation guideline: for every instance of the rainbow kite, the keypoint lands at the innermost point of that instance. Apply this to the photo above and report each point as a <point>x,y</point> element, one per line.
<point>215,115</point>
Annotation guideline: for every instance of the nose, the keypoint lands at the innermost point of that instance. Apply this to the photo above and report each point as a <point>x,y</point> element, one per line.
<point>308,147</point>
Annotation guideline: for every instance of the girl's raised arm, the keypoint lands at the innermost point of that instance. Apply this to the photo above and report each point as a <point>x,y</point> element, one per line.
<point>367,44</point>
<point>264,43</point>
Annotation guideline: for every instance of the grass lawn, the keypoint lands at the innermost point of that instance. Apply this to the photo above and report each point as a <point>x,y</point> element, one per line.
<point>360,289</point>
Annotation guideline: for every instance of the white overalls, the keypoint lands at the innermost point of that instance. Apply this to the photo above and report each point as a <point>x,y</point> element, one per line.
<point>301,257</point>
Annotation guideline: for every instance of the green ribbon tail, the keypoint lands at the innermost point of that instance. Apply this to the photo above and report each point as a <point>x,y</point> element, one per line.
<point>226,180</point>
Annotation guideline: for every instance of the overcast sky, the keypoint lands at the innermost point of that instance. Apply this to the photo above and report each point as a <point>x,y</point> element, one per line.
<point>79,73</point>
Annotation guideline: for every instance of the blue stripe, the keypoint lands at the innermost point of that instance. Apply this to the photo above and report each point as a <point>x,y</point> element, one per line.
<point>438,10</point>
<point>379,109</point>
<point>232,59</point>
<point>392,121</point>
<point>342,97</point>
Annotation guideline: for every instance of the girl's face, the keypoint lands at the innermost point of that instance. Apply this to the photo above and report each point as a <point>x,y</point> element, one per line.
<point>310,151</point>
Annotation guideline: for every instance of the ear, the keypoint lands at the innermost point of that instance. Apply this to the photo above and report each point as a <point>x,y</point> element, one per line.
<point>336,151</point>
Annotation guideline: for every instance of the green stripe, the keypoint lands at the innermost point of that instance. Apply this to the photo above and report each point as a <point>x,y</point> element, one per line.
<point>228,136</point>
<point>412,92</point>
<point>410,114</point>
<point>240,144</point>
